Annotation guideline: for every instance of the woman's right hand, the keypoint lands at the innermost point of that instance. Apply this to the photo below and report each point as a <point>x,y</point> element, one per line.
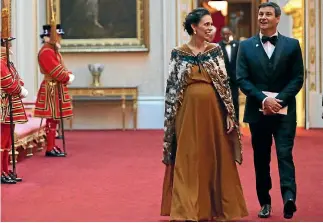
<point>230,124</point>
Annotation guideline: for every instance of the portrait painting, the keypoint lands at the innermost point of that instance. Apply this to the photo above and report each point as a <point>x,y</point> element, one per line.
<point>102,25</point>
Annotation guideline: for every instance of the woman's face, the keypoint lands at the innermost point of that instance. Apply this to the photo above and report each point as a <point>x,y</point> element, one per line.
<point>204,29</point>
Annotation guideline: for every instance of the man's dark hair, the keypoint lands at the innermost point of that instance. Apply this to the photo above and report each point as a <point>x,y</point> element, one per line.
<point>226,27</point>
<point>276,7</point>
<point>194,17</point>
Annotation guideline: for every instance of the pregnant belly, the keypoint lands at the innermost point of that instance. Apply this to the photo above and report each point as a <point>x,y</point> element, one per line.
<point>200,90</point>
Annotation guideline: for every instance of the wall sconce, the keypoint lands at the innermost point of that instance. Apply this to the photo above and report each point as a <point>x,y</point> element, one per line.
<point>220,6</point>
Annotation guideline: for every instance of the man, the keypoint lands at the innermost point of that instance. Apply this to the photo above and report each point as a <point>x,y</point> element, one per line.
<point>11,86</point>
<point>270,73</point>
<point>53,92</point>
<point>45,36</point>
<point>230,49</point>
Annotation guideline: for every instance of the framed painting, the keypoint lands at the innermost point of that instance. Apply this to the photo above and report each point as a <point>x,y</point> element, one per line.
<point>102,25</point>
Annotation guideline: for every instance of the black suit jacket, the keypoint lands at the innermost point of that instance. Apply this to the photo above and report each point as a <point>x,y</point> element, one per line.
<point>285,78</point>
<point>231,65</point>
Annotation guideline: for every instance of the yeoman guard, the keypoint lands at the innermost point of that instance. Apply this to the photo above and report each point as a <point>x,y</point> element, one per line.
<point>53,101</point>
<point>12,110</point>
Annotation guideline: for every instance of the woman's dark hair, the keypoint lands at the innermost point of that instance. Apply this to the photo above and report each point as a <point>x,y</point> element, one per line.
<point>194,17</point>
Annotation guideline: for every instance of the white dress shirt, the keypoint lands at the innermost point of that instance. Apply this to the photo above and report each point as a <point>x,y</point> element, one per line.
<point>268,47</point>
<point>228,49</point>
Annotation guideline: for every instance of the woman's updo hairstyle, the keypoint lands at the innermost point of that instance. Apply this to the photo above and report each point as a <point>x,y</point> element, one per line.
<point>194,17</point>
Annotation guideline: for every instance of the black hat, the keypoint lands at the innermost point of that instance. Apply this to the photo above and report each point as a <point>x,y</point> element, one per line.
<point>59,29</point>
<point>46,31</point>
<point>5,40</point>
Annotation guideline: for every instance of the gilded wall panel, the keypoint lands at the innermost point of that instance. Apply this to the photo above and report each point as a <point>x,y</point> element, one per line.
<point>295,9</point>
<point>311,44</point>
<point>183,7</point>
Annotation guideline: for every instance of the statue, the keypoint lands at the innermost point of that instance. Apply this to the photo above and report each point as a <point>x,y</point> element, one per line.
<point>234,21</point>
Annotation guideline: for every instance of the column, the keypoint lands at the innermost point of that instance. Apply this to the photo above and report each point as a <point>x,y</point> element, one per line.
<point>169,33</point>
<point>26,46</point>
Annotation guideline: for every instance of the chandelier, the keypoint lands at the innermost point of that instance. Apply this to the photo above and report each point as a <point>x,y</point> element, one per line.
<point>220,6</point>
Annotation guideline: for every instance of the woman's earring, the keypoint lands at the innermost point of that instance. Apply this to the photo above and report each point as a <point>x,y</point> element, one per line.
<point>194,32</point>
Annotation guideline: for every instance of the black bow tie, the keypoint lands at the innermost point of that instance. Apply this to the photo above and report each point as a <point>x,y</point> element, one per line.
<point>272,40</point>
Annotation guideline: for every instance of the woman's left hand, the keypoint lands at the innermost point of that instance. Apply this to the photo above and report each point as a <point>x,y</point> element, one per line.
<point>230,124</point>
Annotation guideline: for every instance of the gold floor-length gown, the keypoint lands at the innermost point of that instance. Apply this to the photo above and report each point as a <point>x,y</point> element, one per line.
<point>204,183</point>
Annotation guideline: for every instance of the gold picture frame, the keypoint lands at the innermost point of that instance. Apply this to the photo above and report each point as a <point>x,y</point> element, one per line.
<point>138,34</point>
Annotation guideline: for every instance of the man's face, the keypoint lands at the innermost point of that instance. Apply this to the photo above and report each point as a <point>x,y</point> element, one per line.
<point>58,41</point>
<point>267,19</point>
<point>59,38</point>
<point>9,44</point>
<point>226,33</point>
<point>4,48</point>
<point>46,39</point>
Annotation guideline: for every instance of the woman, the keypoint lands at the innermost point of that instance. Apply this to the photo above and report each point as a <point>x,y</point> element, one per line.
<point>202,182</point>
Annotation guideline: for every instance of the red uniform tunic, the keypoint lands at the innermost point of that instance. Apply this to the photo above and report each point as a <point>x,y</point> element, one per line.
<point>10,84</point>
<point>56,77</point>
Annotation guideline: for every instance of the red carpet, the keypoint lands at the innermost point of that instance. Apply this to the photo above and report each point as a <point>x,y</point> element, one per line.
<point>117,176</point>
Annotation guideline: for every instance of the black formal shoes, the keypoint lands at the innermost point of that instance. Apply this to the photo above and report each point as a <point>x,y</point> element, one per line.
<point>59,150</point>
<point>6,179</point>
<point>265,211</point>
<point>14,176</point>
<point>289,208</point>
<point>54,153</point>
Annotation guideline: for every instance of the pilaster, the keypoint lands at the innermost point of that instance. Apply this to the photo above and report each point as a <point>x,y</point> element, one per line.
<point>169,33</point>
<point>314,63</point>
<point>25,47</point>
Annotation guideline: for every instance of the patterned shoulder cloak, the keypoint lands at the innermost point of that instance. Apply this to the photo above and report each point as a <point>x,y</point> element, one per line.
<point>180,66</point>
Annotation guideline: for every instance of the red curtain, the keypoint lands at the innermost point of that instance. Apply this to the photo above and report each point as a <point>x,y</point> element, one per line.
<point>218,22</point>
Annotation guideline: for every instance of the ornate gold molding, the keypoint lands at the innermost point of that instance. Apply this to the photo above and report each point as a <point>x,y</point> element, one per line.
<point>312,54</point>
<point>183,7</point>
<point>295,9</point>
<point>312,17</point>
<point>110,93</point>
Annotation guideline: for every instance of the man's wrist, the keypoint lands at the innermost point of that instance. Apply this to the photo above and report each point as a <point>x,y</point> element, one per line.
<point>263,103</point>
